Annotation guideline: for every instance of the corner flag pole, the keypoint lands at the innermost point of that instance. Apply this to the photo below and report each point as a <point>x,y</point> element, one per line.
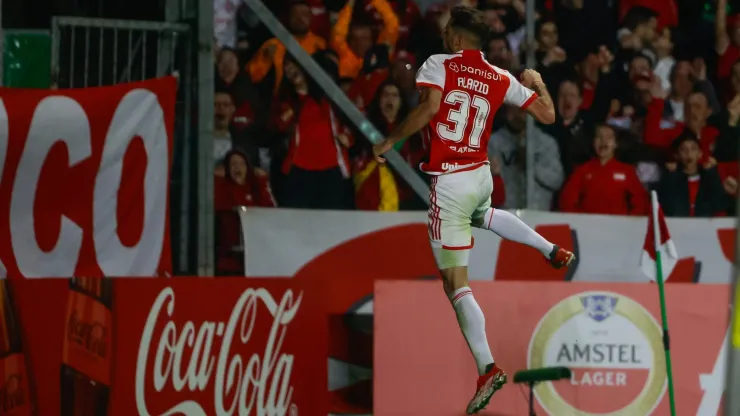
<point>661,290</point>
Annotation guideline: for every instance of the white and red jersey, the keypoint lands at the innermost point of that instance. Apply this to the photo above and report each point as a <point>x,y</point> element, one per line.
<point>472,92</point>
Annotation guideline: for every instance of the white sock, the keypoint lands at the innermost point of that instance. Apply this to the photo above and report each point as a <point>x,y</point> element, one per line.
<point>510,227</point>
<point>473,326</point>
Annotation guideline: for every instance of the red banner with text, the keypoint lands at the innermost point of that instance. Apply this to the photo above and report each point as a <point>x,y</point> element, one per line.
<point>609,335</point>
<point>181,346</point>
<point>84,179</point>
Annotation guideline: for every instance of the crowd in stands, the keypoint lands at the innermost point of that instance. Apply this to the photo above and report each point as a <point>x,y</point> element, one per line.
<point>647,95</point>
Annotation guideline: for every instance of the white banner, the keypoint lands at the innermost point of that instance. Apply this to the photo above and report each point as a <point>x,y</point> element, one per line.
<point>284,243</point>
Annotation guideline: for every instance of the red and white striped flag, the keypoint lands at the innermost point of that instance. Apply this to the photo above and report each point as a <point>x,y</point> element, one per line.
<point>662,242</point>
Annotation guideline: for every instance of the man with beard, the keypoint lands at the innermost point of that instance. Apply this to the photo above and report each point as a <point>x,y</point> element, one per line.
<point>509,145</point>
<point>272,53</point>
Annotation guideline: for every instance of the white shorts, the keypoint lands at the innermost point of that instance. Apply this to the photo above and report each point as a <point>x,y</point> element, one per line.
<point>457,201</point>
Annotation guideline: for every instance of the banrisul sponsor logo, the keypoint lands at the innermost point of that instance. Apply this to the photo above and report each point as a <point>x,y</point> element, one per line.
<point>614,348</point>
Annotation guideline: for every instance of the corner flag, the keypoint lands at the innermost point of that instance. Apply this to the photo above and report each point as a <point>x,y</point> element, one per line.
<point>657,252</point>
<point>661,242</point>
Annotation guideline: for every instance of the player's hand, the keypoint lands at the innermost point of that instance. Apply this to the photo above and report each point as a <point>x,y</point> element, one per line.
<point>381,148</point>
<point>530,77</point>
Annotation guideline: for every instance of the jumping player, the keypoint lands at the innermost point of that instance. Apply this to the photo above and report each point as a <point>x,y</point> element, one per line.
<point>460,93</point>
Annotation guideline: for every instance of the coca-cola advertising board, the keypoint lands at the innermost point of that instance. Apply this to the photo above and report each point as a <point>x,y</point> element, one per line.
<point>609,335</point>
<point>84,179</point>
<point>180,346</point>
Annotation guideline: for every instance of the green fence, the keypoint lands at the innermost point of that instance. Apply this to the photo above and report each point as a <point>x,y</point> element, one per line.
<point>27,59</point>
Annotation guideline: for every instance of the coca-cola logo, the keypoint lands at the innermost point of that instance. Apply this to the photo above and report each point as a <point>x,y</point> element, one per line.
<point>90,335</point>
<point>11,394</point>
<point>243,383</point>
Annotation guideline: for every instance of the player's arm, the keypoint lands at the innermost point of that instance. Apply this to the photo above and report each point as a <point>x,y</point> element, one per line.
<point>419,117</point>
<point>542,109</point>
<point>531,95</point>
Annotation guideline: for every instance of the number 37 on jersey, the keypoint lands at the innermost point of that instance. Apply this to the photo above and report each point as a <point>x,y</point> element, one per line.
<point>472,91</point>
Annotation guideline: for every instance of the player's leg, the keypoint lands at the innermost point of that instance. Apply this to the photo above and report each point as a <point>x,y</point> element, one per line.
<point>509,226</point>
<point>469,314</point>
<point>451,240</point>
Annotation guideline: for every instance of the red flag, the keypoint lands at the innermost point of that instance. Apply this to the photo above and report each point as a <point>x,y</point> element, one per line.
<point>669,255</point>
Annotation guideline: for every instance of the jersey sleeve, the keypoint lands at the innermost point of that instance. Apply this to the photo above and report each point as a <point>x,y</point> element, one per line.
<point>517,94</point>
<point>432,73</point>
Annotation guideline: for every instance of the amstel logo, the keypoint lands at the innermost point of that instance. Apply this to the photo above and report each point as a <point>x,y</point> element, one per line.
<point>614,348</point>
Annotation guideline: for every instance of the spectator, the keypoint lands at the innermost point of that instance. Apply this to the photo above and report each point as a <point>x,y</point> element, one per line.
<point>241,185</point>
<point>352,40</point>
<point>403,73</point>
<point>685,78</point>
<point>696,115</point>
<point>548,52</point>
<point>225,137</point>
<point>375,70</point>
<point>409,19</point>
<point>604,185</point>
<point>638,32</point>
<point>499,53</point>
<point>230,78</point>
<point>665,11</point>
<point>271,55</point>
<point>509,146</point>
<point>573,120</point>
<point>317,163</point>
<point>387,109</point>
<point>691,190</point>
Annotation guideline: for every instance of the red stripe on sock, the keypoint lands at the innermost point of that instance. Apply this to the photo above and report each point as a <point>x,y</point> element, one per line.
<point>461,295</point>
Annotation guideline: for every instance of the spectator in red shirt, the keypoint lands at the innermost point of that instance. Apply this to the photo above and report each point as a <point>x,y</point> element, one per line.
<point>242,185</point>
<point>692,190</point>
<point>604,185</point>
<point>696,111</point>
<point>317,163</point>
